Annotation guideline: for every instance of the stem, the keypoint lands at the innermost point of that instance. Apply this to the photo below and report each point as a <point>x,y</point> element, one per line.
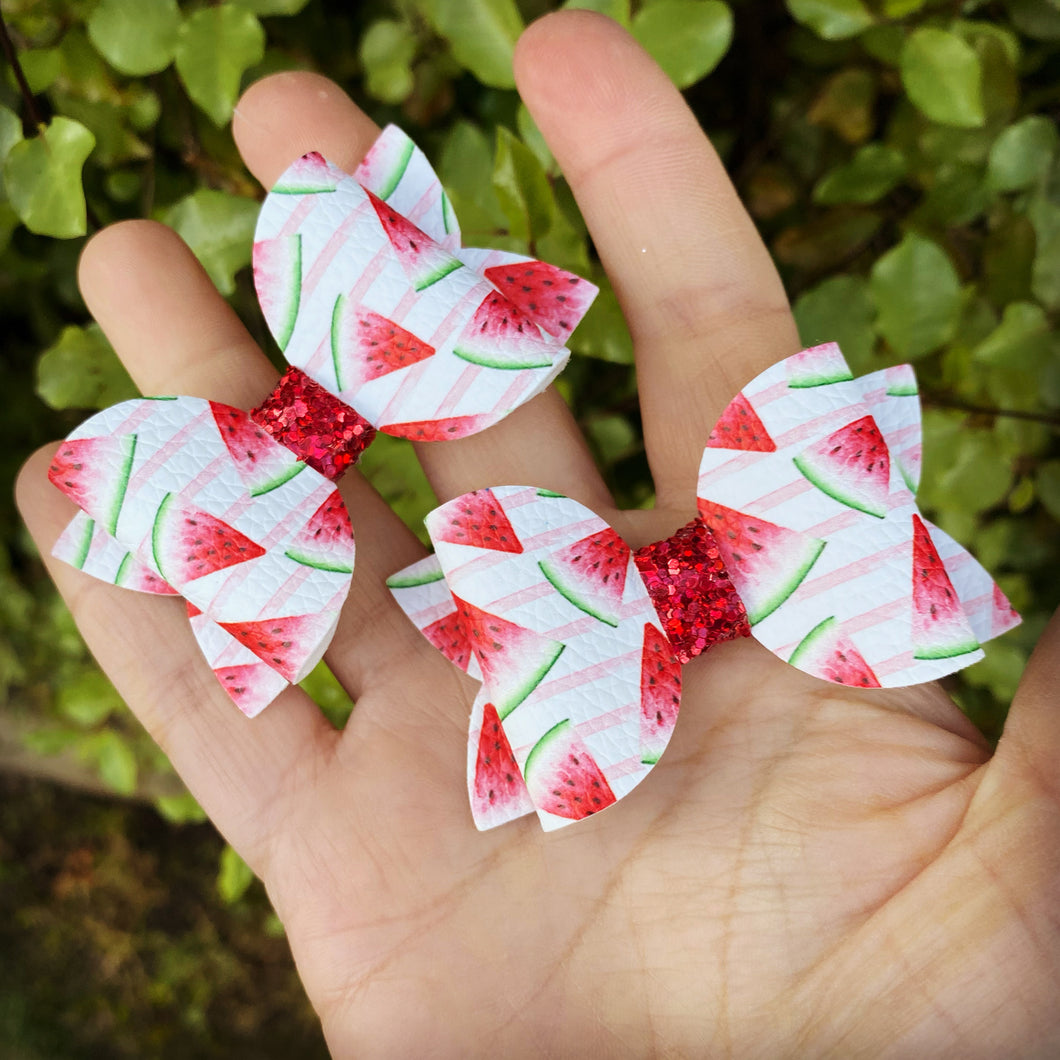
<point>934,401</point>
<point>11,54</point>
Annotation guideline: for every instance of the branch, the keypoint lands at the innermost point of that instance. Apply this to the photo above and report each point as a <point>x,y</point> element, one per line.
<point>11,54</point>
<point>937,401</point>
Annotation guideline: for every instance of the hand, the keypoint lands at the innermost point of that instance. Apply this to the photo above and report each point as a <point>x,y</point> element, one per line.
<point>810,870</point>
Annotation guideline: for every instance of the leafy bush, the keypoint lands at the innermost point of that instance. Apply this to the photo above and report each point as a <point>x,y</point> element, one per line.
<point>899,156</point>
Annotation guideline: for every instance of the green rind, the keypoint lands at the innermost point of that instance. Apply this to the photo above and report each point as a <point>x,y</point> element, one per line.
<point>552,493</point>
<point>317,564</point>
<point>523,690</point>
<point>650,759</point>
<point>421,283</point>
<point>279,480</point>
<point>819,380</point>
<point>85,546</point>
<point>122,567</point>
<point>336,319</point>
<point>543,745</point>
<point>487,362</point>
<point>396,581</point>
<point>947,651</point>
<point>809,642</point>
<point>161,397</point>
<point>111,525</point>
<point>814,474</point>
<point>156,533</point>
<point>909,390</point>
<point>906,477</point>
<point>284,337</point>
<point>388,189</point>
<point>448,217</point>
<point>770,604</point>
<point>300,189</point>
<point>568,594</point>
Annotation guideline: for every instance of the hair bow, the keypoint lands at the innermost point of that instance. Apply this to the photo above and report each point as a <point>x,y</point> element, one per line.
<point>388,324</point>
<point>808,539</point>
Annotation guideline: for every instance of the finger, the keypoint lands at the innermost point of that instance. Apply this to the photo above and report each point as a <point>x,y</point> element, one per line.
<point>703,301</point>
<point>176,334</point>
<point>282,117</point>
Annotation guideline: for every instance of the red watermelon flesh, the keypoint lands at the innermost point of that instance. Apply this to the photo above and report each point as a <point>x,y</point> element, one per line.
<point>286,644</point>
<point>852,465</point>
<point>440,430</point>
<point>278,281</point>
<point>766,562</point>
<point>189,543</point>
<point>132,574</point>
<point>514,660</point>
<point>552,298</point>
<point>740,428</point>
<point>309,175</point>
<point>447,634</point>
<point>827,652</point>
<point>94,474</point>
<point>940,626</point>
<point>563,778</point>
<point>365,345</point>
<point>500,336</point>
<point>1004,616</point>
<point>383,167</point>
<point>263,464</point>
<point>498,791</point>
<point>475,519</point>
<point>326,541</point>
<point>251,686</point>
<point>424,261</point>
<point>591,574</point>
<point>660,694</point>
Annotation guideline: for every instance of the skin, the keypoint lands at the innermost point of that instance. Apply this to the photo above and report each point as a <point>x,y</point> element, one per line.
<point>810,871</point>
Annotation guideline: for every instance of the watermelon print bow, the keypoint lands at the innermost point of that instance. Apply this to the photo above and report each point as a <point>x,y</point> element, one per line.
<point>388,324</point>
<point>808,538</point>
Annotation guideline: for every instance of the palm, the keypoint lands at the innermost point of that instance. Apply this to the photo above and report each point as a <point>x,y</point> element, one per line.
<point>810,869</point>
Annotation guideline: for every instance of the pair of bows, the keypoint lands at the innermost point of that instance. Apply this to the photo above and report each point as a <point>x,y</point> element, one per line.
<point>388,324</point>
<point>808,539</point>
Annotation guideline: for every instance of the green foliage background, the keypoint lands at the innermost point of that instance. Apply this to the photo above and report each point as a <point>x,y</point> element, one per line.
<point>900,158</point>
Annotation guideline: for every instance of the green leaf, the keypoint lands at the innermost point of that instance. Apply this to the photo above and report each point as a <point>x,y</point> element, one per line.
<point>234,876</point>
<point>1008,256</point>
<point>839,310</point>
<point>917,295</point>
<point>42,67</point>
<point>613,9</point>
<point>1044,216</point>
<point>846,105</point>
<point>387,48</point>
<point>967,475</point>
<point>531,135</point>
<point>875,170</point>
<point>88,700</point>
<point>690,54</point>
<point>180,809</point>
<point>482,36</point>
<point>1047,485</point>
<point>1039,19</point>
<point>522,188</point>
<point>136,37</point>
<point>1019,341</point>
<point>1000,670</point>
<point>217,45</point>
<point>82,371</point>
<point>43,179</point>
<point>943,77</point>
<point>1022,154</point>
<point>219,228</point>
<point>832,19</point>
<point>114,760</point>
<point>603,333</point>
<point>10,131</point>
<point>272,7</point>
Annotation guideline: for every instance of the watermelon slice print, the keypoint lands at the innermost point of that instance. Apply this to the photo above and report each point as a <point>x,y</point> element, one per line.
<point>188,543</point>
<point>94,473</point>
<point>940,628</point>
<point>496,787</point>
<point>309,175</point>
<point>852,465</point>
<point>448,635</point>
<point>514,660</point>
<point>385,164</point>
<point>591,574</point>
<point>1003,615</point>
<point>326,541</point>
<point>424,262</point>
<point>132,574</point>
<point>817,366</point>
<point>766,562</point>
<point>500,336</point>
<point>740,428</point>
<point>553,299</point>
<point>441,430</point>
<point>365,345</point>
<point>278,280</point>
<point>251,686</point>
<point>290,645</point>
<point>475,519</point>
<point>660,694</point>
<point>827,652</point>
<point>263,464</point>
<point>563,778</point>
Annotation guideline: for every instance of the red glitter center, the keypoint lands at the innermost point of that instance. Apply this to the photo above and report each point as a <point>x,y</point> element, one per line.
<point>314,424</point>
<point>690,588</point>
